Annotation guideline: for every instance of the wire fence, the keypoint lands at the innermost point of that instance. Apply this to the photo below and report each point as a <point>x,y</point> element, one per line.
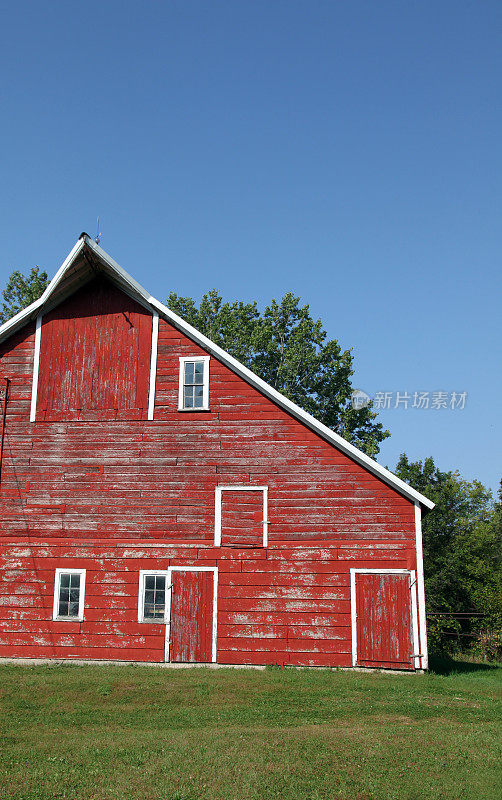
<point>464,631</point>
<point>462,618</point>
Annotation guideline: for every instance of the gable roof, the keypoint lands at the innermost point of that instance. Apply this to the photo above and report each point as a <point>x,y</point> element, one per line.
<point>87,258</point>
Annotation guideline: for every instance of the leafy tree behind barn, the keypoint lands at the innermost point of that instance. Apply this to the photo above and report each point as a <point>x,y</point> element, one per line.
<point>21,291</point>
<point>290,350</point>
<point>462,540</point>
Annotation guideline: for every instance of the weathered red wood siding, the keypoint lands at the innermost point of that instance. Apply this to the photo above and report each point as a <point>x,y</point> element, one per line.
<point>285,604</point>
<point>119,495</point>
<point>150,479</point>
<point>95,357</point>
<point>242,518</point>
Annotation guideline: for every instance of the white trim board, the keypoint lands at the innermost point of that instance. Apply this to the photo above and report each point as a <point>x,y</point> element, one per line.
<point>36,369</point>
<point>217,509</point>
<point>153,365</point>
<point>353,607</point>
<point>421,588</point>
<point>125,280</point>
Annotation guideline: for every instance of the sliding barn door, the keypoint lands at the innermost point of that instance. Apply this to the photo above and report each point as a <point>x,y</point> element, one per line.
<point>191,629</point>
<point>383,620</point>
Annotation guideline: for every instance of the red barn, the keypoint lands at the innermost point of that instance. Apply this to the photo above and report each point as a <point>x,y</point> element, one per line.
<point>161,503</point>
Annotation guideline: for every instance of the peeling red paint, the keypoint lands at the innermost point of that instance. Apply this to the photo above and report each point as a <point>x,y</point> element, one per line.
<point>93,484</point>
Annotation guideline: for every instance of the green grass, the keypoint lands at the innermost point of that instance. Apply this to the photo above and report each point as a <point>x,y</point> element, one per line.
<point>137,732</point>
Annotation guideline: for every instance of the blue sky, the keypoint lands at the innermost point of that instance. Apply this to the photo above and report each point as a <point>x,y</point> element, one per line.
<point>349,152</point>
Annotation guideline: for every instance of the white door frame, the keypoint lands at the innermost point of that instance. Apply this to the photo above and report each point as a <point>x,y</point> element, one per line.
<point>353,607</point>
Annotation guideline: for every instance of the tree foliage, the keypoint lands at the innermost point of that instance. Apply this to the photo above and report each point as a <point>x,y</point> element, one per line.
<point>290,350</point>
<point>462,541</point>
<point>21,290</point>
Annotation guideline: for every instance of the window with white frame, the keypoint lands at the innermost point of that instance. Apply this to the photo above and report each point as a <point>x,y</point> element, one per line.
<point>194,383</point>
<point>69,591</point>
<point>152,596</point>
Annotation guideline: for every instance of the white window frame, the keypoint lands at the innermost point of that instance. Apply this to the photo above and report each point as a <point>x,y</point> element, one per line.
<point>167,616</point>
<point>81,599</point>
<point>217,509</point>
<point>143,573</point>
<point>353,607</point>
<point>205,392</point>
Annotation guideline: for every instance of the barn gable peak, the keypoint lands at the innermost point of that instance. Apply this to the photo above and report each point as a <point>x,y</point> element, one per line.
<point>87,259</point>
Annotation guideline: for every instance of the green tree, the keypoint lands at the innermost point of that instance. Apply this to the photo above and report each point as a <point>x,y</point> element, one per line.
<point>462,541</point>
<point>21,291</point>
<point>290,350</point>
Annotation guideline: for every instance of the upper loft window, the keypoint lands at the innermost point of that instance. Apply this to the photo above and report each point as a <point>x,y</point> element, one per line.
<point>194,383</point>
<point>69,589</point>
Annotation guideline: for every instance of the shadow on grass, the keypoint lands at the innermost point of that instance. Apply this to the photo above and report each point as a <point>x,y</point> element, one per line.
<point>445,665</point>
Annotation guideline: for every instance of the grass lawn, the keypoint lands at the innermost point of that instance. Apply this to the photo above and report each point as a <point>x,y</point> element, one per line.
<point>142,732</point>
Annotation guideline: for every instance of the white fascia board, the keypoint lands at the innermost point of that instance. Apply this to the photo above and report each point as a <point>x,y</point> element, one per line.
<point>250,377</point>
<point>108,260</point>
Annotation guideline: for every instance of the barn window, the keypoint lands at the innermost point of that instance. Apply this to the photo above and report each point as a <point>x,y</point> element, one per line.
<point>194,383</point>
<point>241,516</point>
<point>152,596</point>
<point>69,590</point>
